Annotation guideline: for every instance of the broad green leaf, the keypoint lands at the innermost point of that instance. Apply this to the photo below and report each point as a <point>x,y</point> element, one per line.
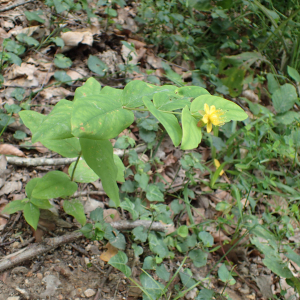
<point>57,125</point>
<point>234,80</point>
<point>134,92</point>
<point>206,238</point>
<point>65,147</point>
<point>287,118</point>
<point>191,133</point>
<point>129,206</point>
<point>14,206</point>
<point>198,257</point>
<point>90,88</point>
<point>140,233</point>
<point>59,42</point>
<point>167,102</point>
<point>118,241</point>
<point>292,255</point>
<point>96,65</point>
<point>162,272</point>
<point>19,135</point>
<point>191,91</point>
<point>169,121</point>
<point>273,83</point>
<point>63,77</point>
<point>41,203</point>
<point>32,120</point>
<point>225,276</point>
<point>284,98</point>
<point>83,172</point>
<point>115,94</point>
<point>232,110</point>
<point>120,168</point>
<point>54,184</point>
<point>119,261</point>
<point>33,16</point>
<point>30,41</point>
<point>13,58</point>
<point>31,185</point>
<point>75,208</point>
<point>153,193</point>
<point>31,214</point>
<point>99,118</point>
<point>205,294</point>
<point>149,263</point>
<point>183,231</point>
<point>278,266</point>
<point>97,215</point>
<point>142,180</point>
<point>186,277</point>
<point>99,156</point>
<point>157,245</point>
<point>138,250</point>
<point>293,73</point>
<point>61,61</point>
<point>152,287</point>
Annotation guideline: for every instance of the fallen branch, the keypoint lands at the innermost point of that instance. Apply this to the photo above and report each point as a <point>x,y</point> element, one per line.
<point>48,244</point>
<point>15,5</point>
<point>41,161</point>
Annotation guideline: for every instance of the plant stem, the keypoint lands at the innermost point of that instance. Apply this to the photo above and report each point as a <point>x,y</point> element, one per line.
<point>76,163</point>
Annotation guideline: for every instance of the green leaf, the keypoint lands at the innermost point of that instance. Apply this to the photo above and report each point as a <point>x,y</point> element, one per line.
<point>31,185</point>
<point>142,180</point>
<point>63,62</point>
<point>191,91</point>
<point>191,133</point>
<point>153,288</point>
<point>187,278</point>
<point>13,58</point>
<point>284,98</point>
<point>63,77</point>
<point>278,266</point>
<point>18,94</point>
<point>12,109</point>
<point>75,208</point>
<point>166,102</point>
<point>225,276</point>
<point>134,92</point>
<point>153,193</point>
<point>57,125</point>
<point>14,206</point>
<point>157,245</point>
<point>176,206</point>
<point>97,65</point>
<point>30,41</point>
<point>206,238</point>
<point>120,168</point>
<point>118,241</point>
<point>97,215</point>
<point>273,84</point>
<point>169,121</point>
<point>66,147</point>
<point>13,46</point>
<point>149,263</point>
<point>19,135</point>
<point>31,214</point>
<point>90,88</point>
<point>138,250</point>
<point>41,203</point>
<point>113,93</point>
<point>99,118</point>
<point>205,294</point>
<point>119,261</point>
<point>292,255</point>
<point>32,119</point>
<point>234,80</point>
<point>162,272</point>
<point>33,16</point>
<point>232,110</point>
<point>183,231</point>
<point>140,233</point>
<point>293,73</point>
<point>59,42</point>
<point>287,118</point>
<point>54,184</point>
<point>83,172</point>
<point>99,156</point>
<point>198,257</point>
<point>130,207</point>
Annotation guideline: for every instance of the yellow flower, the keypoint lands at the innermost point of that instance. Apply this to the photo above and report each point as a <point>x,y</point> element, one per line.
<point>217,164</point>
<point>212,117</point>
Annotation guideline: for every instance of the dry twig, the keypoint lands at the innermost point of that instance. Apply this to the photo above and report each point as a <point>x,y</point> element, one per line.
<point>15,5</point>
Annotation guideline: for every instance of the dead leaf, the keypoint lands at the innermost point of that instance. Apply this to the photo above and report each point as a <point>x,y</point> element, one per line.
<point>108,213</point>
<point>11,187</point>
<point>250,95</point>
<point>111,252</point>
<point>7,149</point>
<point>73,38</point>
<point>129,56</point>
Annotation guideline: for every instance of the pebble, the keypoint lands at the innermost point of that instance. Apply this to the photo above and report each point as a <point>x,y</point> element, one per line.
<point>89,293</point>
<point>39,275</point>
<point>13,298</point>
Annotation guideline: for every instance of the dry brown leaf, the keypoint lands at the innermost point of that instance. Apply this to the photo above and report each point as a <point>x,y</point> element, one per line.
<point>7,149</point>
<point>137,44</point>
<point>108,213</point>
<point>250,95</point>
<point>40,147</point>
<point>111,252</point>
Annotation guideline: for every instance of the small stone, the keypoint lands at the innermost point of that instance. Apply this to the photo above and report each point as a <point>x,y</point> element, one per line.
<point>60,297</point>
<point>89,293</point>
<point>86,260</point>
<point>13,298</point>
<point>39,275</point>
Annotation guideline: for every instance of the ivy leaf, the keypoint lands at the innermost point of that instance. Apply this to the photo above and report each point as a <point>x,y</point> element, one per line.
<point>140,234</point>
<point>153,193</point>
<point>31,214</point>
<point>90,88</point>
<point>63,62</point>
<point>97,65</point>
<point>63,77</point>
<point>75,208</point>
<point>129,206</point>
<point>198,257</point>
<point>119,261</point>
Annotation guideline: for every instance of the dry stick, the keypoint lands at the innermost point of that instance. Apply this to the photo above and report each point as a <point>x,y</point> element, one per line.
<point>15,5</point>
<point>41,161</point>
<point>48,244</point>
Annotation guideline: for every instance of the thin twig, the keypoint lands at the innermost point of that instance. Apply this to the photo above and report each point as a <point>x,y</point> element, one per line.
<point>15,5</point>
